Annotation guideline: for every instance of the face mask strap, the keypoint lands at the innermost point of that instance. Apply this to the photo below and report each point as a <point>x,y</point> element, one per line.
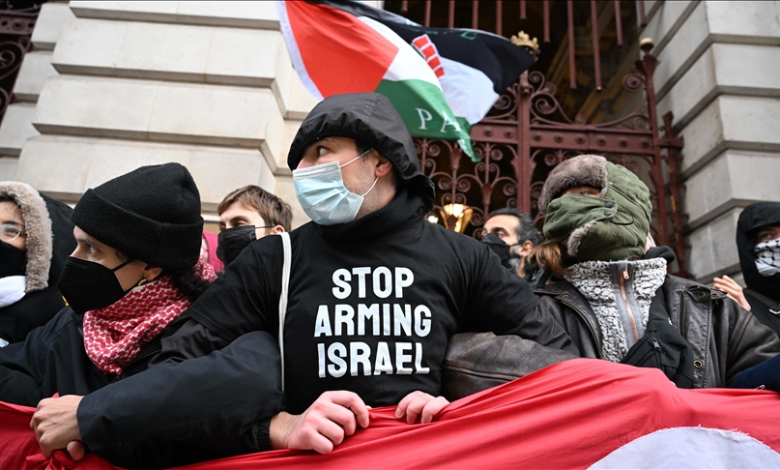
<point>356,158</point>
<point>122,265</point>
<point>369,189</point>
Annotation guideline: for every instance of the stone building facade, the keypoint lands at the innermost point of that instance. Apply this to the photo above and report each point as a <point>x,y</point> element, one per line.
<point>719,73</point>
<point>112,86</point>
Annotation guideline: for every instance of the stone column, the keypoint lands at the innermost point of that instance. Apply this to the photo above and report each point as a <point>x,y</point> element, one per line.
<point>720,76</point>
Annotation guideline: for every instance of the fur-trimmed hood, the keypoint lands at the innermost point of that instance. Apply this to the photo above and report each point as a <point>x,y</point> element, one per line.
<point>610,227</point>
<point>584,170</point>
<point>49,233</point>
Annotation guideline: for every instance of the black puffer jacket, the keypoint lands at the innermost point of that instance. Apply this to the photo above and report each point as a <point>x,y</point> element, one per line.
<point>726,339</point>
<point>49,243</point>
<point>763,293</point>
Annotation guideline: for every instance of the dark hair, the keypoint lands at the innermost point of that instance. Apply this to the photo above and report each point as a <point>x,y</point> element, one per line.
<point>362,148</point>
<point>187,280</point>
<point>526,231</point>
<point>271,208</point>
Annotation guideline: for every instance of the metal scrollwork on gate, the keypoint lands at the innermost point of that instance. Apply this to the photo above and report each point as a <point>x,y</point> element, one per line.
<point>526,134</point>
<point>16,27</point>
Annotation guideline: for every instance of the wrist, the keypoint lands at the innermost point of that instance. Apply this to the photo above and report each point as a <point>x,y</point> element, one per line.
<point>278,430</point>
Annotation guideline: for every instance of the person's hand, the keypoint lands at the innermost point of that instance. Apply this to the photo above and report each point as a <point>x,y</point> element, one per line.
<point>420,404</point>
<point>56,427</point>
<point>323,425</point>
<point>732,290</point>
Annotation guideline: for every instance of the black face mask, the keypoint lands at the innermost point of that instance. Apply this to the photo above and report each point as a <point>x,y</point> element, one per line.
<point>232,241</point>
<point>500,248</point>
<point>13,260</point>
<point>88,285</point>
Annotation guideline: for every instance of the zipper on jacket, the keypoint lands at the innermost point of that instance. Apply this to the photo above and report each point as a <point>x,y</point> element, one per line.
<point>631,320</point>
<point>585,320</point>
<point>153,353</point>
<point>682,313</point>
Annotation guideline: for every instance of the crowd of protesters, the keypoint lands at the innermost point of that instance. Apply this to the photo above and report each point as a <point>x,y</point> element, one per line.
<point>159,359</point>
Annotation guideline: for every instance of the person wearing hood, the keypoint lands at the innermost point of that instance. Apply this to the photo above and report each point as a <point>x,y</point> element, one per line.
<point>374,293</point>
<point>758,244</point>
<point>248,214</point>
<point>36,237</point>
<point>614,299</point>
<point>134,271</point>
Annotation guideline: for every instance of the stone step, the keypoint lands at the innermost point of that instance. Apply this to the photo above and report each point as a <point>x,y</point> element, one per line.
<point>196,54</point>
<point>148,110</point>
<point>74,164</point>
<point>36,68</point>
<point>16,128</point>
<point>49,24</point>
<point>258,15</point>
<point>8,168</point>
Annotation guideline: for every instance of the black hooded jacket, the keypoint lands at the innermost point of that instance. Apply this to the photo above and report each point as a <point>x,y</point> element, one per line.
<point>208,412</point>
<point>42,300</point>
<point>752,218</point>
<point>371,303</point>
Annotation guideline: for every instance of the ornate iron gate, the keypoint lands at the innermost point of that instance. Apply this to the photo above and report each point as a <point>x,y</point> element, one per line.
<point>17,21</point>
<point>526,134</point>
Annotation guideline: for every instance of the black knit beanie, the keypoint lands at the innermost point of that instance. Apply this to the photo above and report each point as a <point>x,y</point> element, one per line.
<point>151,214</point>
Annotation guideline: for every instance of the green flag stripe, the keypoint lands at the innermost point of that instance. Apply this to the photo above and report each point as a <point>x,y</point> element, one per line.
<point>426,113</point>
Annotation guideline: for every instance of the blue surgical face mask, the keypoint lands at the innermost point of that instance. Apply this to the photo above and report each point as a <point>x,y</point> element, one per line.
<point>320,190</point>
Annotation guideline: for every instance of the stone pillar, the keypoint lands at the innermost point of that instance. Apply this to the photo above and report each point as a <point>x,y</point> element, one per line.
<point>720,76</point>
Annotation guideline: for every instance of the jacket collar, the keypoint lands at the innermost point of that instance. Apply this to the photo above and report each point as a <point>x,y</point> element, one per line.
<point>565,293</point>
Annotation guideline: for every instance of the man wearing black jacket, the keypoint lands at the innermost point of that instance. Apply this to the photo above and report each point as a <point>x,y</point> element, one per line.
<point>374,294</point>
<point>135,268</point>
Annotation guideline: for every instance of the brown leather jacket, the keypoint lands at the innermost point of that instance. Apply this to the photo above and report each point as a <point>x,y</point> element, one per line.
<point>726,339</point>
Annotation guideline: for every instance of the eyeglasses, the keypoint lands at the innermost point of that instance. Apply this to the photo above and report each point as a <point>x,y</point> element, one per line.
<point>9,232</point>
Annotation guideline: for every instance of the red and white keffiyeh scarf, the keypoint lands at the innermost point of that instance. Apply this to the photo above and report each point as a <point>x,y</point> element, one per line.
<point>114,335</point>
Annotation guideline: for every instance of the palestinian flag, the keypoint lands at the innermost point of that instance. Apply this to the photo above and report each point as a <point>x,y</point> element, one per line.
<point>441,81</point>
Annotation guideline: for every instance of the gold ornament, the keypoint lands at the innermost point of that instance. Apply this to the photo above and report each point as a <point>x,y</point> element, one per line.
<point>523,40</point>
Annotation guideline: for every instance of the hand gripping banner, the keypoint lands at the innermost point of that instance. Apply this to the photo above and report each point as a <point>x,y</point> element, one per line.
<point>582,413</point>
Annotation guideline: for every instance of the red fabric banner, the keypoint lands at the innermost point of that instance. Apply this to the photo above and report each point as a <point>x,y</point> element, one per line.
<point>569,415</point>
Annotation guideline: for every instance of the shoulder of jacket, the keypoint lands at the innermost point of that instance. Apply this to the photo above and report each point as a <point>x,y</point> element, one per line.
<point>556,289</point>
<point>62,322</point>
<point>697,290</point>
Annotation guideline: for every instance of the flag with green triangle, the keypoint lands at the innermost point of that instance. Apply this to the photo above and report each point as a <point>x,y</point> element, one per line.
<point>442,81</point>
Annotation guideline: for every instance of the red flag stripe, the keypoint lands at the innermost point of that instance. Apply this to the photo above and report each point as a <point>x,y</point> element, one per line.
<point>569,415</point>
<point>341,53</point>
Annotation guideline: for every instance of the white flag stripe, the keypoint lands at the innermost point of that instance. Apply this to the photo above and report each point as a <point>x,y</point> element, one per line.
<point>295,54</point>
<point>688,447</point>
<point>468,91</point>
<point>407,64</point>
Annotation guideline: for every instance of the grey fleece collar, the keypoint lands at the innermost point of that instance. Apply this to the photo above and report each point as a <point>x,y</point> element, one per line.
<point>615,302</point>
